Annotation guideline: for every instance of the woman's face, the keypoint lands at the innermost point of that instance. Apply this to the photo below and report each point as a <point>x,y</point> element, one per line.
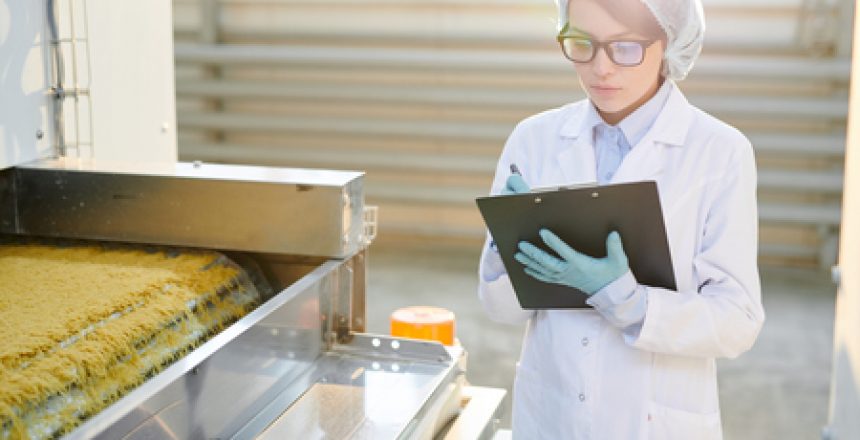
<point>615,90</point>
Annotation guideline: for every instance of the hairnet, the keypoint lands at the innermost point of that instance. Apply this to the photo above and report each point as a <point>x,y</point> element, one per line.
<point>683,21</point>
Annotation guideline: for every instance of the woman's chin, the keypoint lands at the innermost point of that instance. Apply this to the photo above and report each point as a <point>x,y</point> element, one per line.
<point>609,106</point>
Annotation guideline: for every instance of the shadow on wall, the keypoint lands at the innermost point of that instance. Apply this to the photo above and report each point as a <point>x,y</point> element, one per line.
<point>20,115</point>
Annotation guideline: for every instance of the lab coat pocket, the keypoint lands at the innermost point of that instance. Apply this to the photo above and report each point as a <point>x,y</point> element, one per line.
<point>665,423</point>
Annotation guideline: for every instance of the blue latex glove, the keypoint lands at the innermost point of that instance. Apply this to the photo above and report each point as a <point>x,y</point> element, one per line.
<point>515,185</point>
<point>575,269</point>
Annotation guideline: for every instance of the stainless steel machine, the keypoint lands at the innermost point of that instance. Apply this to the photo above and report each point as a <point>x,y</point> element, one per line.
<point>298,366</point>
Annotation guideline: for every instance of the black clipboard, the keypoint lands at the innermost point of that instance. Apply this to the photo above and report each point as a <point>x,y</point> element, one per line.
<point>582,217</point>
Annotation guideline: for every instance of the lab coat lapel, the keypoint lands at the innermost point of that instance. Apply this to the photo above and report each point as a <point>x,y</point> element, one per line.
<point>646,161</point>
<point>576,159</point>
<point>643,162</point>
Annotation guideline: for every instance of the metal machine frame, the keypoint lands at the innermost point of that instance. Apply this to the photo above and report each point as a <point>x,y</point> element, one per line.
<point>297,366</point>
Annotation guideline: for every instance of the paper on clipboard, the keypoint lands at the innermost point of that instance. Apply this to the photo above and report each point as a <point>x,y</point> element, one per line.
<point>562,187</point>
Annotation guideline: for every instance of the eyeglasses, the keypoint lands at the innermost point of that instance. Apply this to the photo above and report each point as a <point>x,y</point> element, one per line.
<point>627,53</point>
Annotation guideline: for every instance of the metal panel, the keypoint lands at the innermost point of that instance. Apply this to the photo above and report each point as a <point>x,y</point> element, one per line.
<point>215,390</point>
<point>133,98</point>
<point>24,127</point>
<point>845,381</point>
<point>260,209</point>
<point>272,374</point>
<point>373,387</point>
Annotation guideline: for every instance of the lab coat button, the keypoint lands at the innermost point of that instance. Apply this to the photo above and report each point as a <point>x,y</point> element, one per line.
<point>581,397</point>
<point>585,342</point>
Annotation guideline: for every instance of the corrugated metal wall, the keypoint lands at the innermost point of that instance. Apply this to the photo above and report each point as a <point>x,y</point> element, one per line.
<point>423,93</point>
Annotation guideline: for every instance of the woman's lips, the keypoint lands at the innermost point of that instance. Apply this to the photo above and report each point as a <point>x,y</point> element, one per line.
<point>604,90</point>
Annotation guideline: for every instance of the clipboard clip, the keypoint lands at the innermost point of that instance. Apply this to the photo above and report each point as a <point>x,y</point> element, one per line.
<point>594,195</point>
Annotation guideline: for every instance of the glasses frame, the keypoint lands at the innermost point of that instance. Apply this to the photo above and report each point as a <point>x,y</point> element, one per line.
<point>605,45</point>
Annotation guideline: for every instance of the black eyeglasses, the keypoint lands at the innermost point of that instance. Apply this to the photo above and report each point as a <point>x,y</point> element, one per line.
<point>579,49</point>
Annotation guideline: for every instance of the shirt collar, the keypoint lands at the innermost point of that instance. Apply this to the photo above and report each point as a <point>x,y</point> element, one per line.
<point>592,118</point>
<point>634,126</point>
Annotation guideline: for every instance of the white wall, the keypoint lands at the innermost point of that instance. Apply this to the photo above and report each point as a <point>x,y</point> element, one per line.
<point>845,390</point>
<point>133,85</point>
<point>128,66</point>
<point>23,102</point>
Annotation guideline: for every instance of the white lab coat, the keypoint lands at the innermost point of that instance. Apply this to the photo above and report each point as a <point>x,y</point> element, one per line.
<point>579,377</point>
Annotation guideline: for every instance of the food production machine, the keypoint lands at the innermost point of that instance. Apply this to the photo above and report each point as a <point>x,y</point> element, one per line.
<point>299,364</point>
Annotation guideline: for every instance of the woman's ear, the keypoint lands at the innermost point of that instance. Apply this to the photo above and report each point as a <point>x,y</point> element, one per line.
<point>664,70</point>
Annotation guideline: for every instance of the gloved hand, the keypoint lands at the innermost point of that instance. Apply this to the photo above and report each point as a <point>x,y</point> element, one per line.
<point>575,269</point>
<point>515,185</point>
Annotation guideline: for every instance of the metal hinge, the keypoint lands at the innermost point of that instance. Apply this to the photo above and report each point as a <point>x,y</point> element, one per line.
<point>371,224</point>
<point>836,276</point>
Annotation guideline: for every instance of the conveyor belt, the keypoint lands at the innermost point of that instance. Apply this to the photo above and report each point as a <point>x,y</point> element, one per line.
<point>82,324</point>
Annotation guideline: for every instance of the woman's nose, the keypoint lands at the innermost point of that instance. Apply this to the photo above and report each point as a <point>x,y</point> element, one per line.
<point>602,64</point>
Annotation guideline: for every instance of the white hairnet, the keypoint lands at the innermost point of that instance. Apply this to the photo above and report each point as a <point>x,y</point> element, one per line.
<point>683,21</point>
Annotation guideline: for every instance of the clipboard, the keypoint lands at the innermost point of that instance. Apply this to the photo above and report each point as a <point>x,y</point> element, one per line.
<point>582,217</point>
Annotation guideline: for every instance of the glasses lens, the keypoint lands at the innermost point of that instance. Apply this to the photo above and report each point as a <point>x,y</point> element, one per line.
<point>626,53</point>
<point>578,49</point>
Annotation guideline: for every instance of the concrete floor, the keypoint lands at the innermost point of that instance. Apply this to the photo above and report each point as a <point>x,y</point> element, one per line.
<point>777,390</point>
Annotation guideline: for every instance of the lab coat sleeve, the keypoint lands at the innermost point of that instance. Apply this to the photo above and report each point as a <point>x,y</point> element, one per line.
<point>495,291</point>
<point>622,302</point>
<point>492,266</point>
<point>723,316</point>
<point>497,296</point>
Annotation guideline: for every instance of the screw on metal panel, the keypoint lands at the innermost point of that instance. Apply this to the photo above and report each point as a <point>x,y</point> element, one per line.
<point>40,134</point>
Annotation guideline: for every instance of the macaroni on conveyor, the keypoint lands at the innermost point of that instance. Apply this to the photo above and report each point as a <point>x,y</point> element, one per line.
<point>82,324</point>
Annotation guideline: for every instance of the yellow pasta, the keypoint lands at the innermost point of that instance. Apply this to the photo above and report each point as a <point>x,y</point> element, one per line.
<point>82,325</point>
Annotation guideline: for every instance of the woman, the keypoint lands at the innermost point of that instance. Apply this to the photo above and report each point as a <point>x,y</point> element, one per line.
<point>640,364</point>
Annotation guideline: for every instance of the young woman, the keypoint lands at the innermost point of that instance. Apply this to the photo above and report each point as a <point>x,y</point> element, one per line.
<point>640,364</point>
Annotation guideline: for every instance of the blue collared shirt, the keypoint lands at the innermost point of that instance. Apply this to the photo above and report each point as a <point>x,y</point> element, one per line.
<point>613,142</point>
<point>623,301</point>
